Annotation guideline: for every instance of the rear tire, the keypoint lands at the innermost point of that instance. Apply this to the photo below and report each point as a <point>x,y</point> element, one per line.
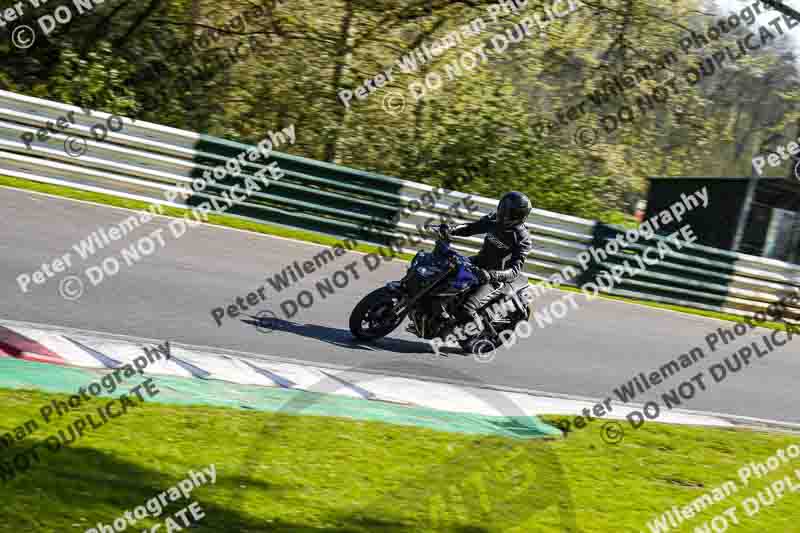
<point>480,347</point>
<point>376,309</point>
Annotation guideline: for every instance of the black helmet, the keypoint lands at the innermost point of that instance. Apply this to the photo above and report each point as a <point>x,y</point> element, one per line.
<point>513,209</point>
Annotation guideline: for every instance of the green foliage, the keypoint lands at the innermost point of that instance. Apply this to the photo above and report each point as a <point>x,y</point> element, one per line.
<point>475,133</point>
<point>619,218</point>
<point>98,79</point>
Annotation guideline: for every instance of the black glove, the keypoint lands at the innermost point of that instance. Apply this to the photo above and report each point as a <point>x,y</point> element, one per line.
<point>443,231</point>
<point>484,276</point>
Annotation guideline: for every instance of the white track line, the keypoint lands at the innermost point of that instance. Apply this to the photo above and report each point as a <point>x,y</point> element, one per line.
<point>731,418</point>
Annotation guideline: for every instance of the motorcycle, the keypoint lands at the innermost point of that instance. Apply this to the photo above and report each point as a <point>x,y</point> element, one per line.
<point>435,286</point>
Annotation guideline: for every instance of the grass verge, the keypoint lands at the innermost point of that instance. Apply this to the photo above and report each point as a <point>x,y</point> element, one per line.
<point>302,235</point>
<point>301,474</point>
<point>216,220</point>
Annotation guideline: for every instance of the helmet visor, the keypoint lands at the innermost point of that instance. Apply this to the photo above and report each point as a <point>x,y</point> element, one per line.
<point>513,216</point>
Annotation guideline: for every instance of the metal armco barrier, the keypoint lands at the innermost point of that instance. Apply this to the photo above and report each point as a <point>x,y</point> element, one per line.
<point>144,160</point>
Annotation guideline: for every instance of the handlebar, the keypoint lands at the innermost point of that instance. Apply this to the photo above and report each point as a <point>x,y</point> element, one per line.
<point>442,231</point>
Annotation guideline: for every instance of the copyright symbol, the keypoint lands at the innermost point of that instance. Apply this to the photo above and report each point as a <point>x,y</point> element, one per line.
<point>394,109</point>
<point>612,433</point>
<point>585,136</point>
<point>75,146</point>
<point>484,351</point>
<point>18,37</point>
<point>71,288</point>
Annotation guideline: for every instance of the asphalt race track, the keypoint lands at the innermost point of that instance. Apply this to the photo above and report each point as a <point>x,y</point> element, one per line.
<point>169,295</point>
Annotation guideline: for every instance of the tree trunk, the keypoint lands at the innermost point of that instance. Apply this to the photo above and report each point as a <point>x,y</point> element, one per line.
<point>344,53</point>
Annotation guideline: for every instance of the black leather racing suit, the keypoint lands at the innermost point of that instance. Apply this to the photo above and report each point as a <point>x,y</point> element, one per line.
<point>503,254</point>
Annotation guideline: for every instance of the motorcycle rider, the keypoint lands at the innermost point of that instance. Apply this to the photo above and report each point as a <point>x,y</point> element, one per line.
<point>504,250</point>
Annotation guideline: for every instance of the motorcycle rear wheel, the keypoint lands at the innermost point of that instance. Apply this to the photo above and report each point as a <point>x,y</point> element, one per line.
<point>481,346</point>
<point>484,345</point>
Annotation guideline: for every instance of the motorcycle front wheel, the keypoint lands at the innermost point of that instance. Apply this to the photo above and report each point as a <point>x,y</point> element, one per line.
<point>375,316</point>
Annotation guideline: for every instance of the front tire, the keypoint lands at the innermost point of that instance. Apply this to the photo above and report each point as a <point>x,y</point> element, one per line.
<point>375,316</point>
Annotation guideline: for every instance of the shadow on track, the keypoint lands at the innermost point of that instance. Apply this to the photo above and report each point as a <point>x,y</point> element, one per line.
<point>268,323</point>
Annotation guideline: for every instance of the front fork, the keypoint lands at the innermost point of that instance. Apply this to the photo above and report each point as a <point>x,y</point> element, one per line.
<point>396,288</point>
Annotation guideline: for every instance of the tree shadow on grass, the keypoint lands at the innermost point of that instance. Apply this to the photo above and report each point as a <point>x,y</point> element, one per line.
<point>79,487</point>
